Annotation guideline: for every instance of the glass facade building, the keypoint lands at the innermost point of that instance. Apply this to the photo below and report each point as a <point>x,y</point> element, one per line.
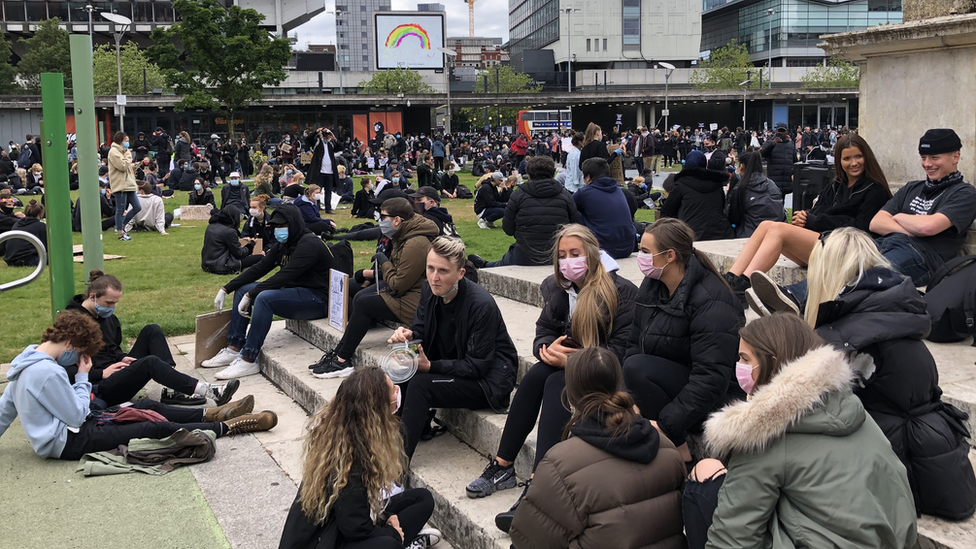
<point>793,29</point>
<point>532,24</point>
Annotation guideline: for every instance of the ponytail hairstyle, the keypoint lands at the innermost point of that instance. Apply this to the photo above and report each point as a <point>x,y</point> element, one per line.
<point>594,388</point>
<point>99,282</point>
<point>34,209</point>
<point>673,234</point>
<point>596,303</point>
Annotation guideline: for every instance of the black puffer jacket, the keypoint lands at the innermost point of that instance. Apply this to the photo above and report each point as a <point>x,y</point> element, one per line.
<point>19,251</point>
<point>753,202</point>
<point>485,350</point>
<point>829,213</point>
<point>533,215</point>
<point>698,326</point>
<point>883,320</point>
<point>698,199</point>
<point>222,251</point>
<point>780,158</point>
<point>554,321</point>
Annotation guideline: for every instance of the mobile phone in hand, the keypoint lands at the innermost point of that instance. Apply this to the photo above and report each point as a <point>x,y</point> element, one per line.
<point>568,342</point>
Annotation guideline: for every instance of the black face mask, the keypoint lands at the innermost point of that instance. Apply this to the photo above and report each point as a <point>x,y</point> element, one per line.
<point>418,207</point>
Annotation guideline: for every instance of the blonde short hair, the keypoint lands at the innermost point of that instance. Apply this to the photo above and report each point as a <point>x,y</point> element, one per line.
<point>451,249</point>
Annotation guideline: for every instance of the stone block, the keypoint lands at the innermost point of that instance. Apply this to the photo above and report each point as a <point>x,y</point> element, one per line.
<point>915,10</point>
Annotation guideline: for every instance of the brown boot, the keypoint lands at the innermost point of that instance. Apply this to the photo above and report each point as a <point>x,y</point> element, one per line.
<point>230,410</point>
<point>251,423</point>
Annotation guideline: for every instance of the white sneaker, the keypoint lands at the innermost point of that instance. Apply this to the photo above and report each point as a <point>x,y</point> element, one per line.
<point>428,537</point>
<point>223,358</point>
<point>483,224</point>
<point>239,368</point>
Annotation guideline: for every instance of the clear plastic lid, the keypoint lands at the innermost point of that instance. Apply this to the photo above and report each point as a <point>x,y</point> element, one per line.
<point>401,362</point>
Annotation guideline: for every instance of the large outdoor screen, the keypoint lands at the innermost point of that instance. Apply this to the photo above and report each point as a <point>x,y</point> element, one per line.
<point>409,40</point>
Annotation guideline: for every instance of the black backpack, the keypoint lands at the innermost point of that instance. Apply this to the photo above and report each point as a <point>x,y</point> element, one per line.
<point>341,256</point>
<point>951,301</point>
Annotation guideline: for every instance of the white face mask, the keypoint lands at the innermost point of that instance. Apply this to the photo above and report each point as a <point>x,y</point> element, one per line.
<point>253,212</point>
<point>397,399</point>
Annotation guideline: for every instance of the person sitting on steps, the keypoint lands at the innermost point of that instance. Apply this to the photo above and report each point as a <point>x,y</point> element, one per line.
<point>55,411</point>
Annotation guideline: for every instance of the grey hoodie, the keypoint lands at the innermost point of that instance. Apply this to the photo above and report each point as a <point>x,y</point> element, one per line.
<point>47,402</point>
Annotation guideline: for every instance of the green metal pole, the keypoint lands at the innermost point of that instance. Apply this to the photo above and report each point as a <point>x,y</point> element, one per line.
<point>87,143</point>
<point>57,193</point>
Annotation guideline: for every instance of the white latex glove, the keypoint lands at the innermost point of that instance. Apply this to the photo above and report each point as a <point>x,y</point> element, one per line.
<point>219,300</point>
<point>244,306</point>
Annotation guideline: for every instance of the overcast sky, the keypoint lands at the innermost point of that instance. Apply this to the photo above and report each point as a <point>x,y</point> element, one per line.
<point>489,20</point>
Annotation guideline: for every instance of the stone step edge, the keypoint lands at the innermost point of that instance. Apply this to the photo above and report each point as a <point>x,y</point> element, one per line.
<point>473,427</point>
<point>454,523</point>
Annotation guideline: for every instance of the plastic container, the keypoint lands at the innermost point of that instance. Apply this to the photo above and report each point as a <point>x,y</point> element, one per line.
<point>401,362</point>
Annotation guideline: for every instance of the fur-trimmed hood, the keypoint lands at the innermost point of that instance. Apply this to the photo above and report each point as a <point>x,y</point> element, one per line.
<point>809,395</point>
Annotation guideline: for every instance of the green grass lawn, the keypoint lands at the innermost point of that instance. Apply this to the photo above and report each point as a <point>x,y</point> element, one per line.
<point>165,285</point>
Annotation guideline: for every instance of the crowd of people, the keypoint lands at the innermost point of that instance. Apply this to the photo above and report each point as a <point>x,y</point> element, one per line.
<point>822,420</point>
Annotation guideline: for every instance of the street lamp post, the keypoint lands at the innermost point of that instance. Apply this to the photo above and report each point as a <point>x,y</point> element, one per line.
<point>569,48</point>
<point>769,51</point>
<point>451,54</point>
<point>338,14</point>
<point>121,25</point>
<point>745,87</point>
<point>668,69</point>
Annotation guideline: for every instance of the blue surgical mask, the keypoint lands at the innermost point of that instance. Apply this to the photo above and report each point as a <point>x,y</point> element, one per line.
<point>288,172</point>
<point>69,358</point>
<point>103,311</point>
<point>281,234</point>
<point>235,182</point>
<point>125,144</point>
<point>387,228</point>
<point>103,191</point>
<point>197,187</point>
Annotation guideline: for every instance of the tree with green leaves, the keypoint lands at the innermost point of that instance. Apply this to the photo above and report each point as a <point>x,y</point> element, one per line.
<point>726,68</point>
<point>218,58</point>
<point>836,74</point>
<point>7,71</point>
<point>398,80</point>
<point>46,51</point>
<point>134,62</point>
<point>499,79</point>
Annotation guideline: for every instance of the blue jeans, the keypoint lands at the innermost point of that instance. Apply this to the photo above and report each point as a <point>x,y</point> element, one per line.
<point>123,199</point>
<point>511,257</point>
<point>493,214</point>
<point>292,303</point>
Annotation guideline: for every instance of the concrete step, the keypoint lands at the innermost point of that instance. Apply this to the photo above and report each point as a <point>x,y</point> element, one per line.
<point>444,465</point>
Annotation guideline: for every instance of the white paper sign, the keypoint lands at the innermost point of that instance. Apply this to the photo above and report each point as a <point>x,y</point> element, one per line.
<point>338,299</point>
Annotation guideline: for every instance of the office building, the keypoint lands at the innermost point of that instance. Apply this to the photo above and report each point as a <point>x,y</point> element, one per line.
<point>354,33</point>
<point>477,52</point>
<point>788,31</point>
<point>430,7</point>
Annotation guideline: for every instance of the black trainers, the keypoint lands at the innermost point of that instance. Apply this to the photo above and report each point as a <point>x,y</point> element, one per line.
<point>495,477</point>
<point>774,297</point>
<point>332,368</point>
<point>504,520</point>
<point>176,398</point>
<point>478,261</point>
<point>739,284</point>
<point>326,358</point>
<point>223,393</point>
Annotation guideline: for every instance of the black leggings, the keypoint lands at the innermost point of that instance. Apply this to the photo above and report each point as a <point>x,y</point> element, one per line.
<point>541,387</point>
<point>698,503</point>
<point>654,382</point>
<point>126,383</point>
<point>367,308</point>
<point>412,509</point>
<point>92,437</point>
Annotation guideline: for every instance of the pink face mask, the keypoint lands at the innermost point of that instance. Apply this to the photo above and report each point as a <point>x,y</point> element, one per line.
<point>743,373</point>
<point>645,262</point>
<point>573,268</point>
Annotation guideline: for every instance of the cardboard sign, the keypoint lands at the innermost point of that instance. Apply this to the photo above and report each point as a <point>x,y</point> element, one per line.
<point>196,213</point>
<point>338,300</point>
<point>258,244</point>
<point>211,335</point>
<point>713,126</point>
<point>305,158</point>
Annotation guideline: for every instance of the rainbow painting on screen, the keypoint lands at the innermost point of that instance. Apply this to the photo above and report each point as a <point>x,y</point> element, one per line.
<point>409,41</point>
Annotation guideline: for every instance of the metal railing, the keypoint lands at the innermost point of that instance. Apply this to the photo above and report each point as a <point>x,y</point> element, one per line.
<point>41,253</point>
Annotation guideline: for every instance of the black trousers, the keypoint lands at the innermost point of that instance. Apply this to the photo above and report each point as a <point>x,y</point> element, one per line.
<point>320,228</point>
<point>152,341</point>
<point>698,503</point>
<point>92,437</point>
<point>654,382</point>
<point>425,391</point>
<point>438,163</point>
<point>541,387</point>
<point>412,508</point>
<point>365,234</point>
<point>327,181</point>
<point>367,308</point>
<point>124,384</point>
<point>250,261</point>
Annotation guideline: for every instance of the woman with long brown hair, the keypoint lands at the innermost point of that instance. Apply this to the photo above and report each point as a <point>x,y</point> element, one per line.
<point>586,305</point>
<point>593,146</point>
<point>353,458</point>
<point>611,467</point>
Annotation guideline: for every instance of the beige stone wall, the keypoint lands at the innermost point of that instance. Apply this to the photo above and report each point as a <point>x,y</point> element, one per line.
<point>915,10</point>
<point>904,95</point>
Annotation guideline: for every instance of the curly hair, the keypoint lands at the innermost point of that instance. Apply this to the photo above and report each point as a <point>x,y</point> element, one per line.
<point>358,429</point>
<point>78,329</point>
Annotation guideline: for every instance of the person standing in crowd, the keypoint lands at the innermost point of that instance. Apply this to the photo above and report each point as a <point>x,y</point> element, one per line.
<point>353,454</point>
<point>491,199</point>
<point>399,278</point>
<point>222,252</point>
<point>466,357</point>
<point>299,291</point>
<point>212,155</point>
<point>594,147</point>
<point>680,360</point>
<point>122,178</point>
<point>698,199</point>
<point>611,466</point>
<point>780,155</point>
<point>152,214</point>
<point>244,158</point>
<point>574,176</point>
<point>604,210</point>
<point>322,171</point>
<point>182,148</point>
<point>586,305</point>
<point>19,252</point>
<point>753,197</point>
<point>162,145</point>
<point>877,317</point>
<point>55,411</point>
<point>439,151</point>
<point>804,460</point>
<point>141,147</point>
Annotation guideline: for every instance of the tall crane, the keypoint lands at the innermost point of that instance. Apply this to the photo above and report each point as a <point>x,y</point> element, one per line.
<point>470,4</point>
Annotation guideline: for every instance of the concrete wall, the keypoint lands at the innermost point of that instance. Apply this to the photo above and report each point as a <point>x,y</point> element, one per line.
<point>15,124</point>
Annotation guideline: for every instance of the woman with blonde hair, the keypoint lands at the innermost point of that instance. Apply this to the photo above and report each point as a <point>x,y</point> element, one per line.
<point>586,305</point>
<point>875,315</point>
<point>353,458</point>
<point>262,184</point>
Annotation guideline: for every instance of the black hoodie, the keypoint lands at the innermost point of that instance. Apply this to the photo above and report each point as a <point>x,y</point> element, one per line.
<point>111,338</point>
<point>19,250</point>
<point>222,251</point>
<point>533,215</point>
<point>440,217</point>
<point>304,259</point>
<point>698,199</point>
<point>639,444</point>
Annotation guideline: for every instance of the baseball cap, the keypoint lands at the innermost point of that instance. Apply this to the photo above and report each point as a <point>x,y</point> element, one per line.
<point>426,192</point>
